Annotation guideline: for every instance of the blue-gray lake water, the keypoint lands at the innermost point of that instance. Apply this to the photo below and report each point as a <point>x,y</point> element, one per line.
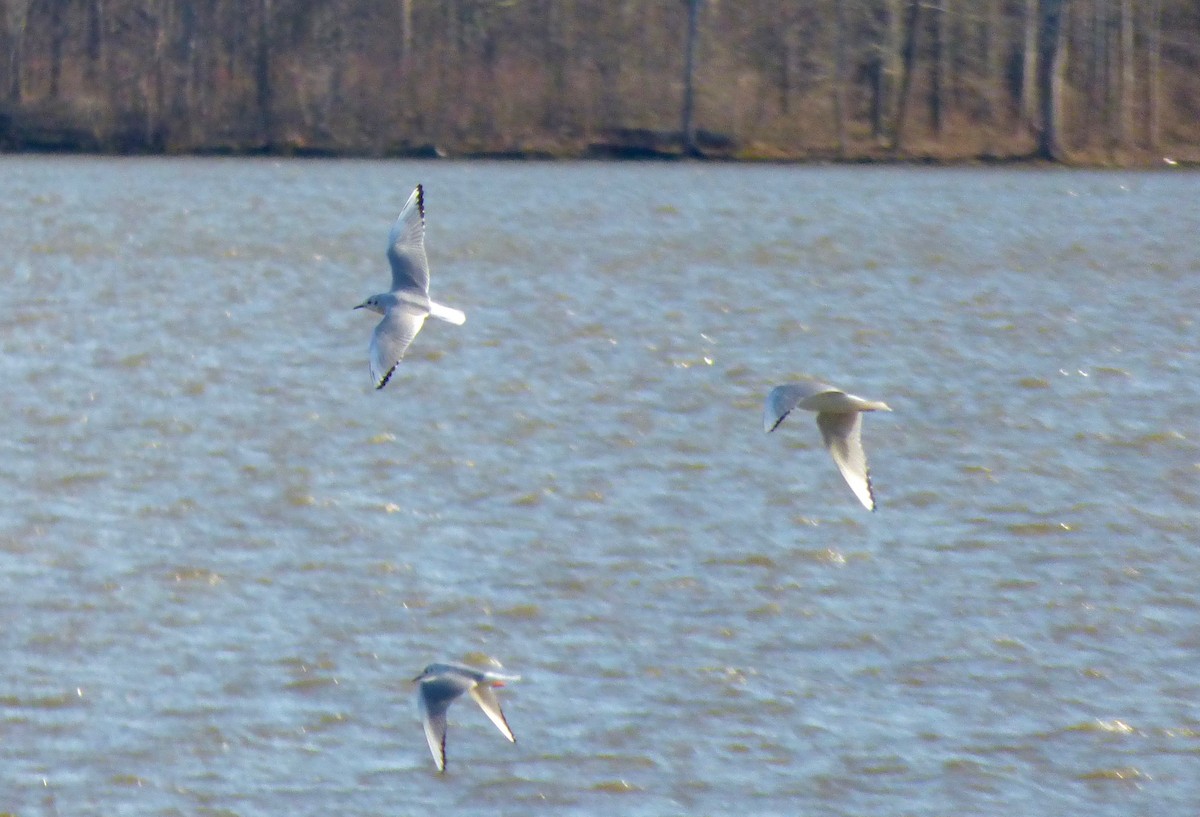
<point>223,555</point>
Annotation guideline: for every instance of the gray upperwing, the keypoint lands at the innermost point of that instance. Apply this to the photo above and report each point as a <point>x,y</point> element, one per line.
<point>391,339</point>
<point>486,698</point>
<point>406,246</point>
<point>842,432</point>
<point>782,399</point>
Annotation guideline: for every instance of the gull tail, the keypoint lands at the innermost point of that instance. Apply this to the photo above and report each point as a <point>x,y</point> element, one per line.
<point>447,313</point>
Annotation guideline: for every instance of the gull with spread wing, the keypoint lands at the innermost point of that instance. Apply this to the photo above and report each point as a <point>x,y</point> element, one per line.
<point>441,685</point>
<point>406,306</point>
<point>839,416</point>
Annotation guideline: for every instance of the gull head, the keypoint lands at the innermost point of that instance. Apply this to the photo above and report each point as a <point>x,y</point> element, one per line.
<point>373,304</point>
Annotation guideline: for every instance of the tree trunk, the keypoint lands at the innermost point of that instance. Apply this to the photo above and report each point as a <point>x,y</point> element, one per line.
<point>333,109</point>
<point>886,71</point>
<point>1125,98</point>
<point>1095,113</point>
<point>158,12</point>
<point>992,46</point>
<point>1029,68</point>
<point>956,39</point>
<point>186,107</point>
<point>839,75</point>
<point>912,25</point>
<point>264,93</point>
<point>1112,33</point>
<point>1050,77</point>
<point>16,14</point>
<point>688,124</point>
<point>94,44</point>
<point>556,104</point>
<point>406,36</point>
<point>787,59</point>
<point>1153,74</point>
<point>937,81</point>
<point>57,35</point>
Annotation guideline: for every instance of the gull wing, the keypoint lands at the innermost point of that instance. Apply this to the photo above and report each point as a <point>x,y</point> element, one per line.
<point>842,432</point>
<point>782,399</point>
<point>406,246</point>
<point>486,698</point>
<point>391,339</point>
<point>433,718</point>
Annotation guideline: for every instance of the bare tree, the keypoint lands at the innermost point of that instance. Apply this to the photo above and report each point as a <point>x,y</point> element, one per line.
<point>16,15</point>
<point>94,46</point>
<point>503,74</point>
<point>187,106</point>
<point>156,17</point>
<point>939,68</point>
<point>908,59</point>
<point>1097,112</point>
<point>58,36</point>
<point>993,48</point>
<point>1126,82</point>
<point>1029,66</point>
<point>1154,73</point>
<point>406,34</point>
<point>885,67</point>
<point>688,124</point>
<point>839,74</point>
<point>264,90</point>
<point>1051,49</point>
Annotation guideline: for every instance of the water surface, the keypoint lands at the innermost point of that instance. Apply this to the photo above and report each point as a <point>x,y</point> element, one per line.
<point>224,553</point>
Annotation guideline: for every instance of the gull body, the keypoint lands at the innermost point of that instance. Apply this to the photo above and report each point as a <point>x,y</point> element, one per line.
<point>406,306</point>
<point>441,685</point>
<point>839,416</point>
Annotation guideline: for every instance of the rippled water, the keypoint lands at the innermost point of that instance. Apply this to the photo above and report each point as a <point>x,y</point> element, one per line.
<point>223,554</point>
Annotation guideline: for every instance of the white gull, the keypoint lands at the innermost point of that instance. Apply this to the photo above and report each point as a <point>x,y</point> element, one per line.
<point>839,416</point>
<point>441,685</point>
<point>406,306</point>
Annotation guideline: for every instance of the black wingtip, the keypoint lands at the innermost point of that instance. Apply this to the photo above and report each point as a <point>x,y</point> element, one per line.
<point>421,200</point>
<point>386,378</point>
<point>782,417</point>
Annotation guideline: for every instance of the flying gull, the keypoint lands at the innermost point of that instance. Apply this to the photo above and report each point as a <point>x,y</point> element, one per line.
<point>839,416</point>
<point>407,305</point>
<point>441,684</point>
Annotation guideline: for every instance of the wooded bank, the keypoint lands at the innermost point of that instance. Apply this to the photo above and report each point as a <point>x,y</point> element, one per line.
<point>1094,81</point>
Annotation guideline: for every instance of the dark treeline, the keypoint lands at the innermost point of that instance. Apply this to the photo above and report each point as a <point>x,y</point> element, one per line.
<point>1090,80</point>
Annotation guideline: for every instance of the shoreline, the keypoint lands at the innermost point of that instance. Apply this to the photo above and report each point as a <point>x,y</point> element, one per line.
<point>34,130</point>
<point>1141,160</point>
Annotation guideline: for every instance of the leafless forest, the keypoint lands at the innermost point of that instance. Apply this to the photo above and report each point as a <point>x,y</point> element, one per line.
<point>1098,81</point>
